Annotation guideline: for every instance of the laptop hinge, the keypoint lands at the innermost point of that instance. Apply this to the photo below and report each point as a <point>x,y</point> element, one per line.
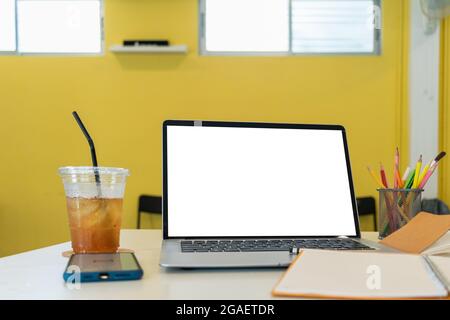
<point>343,237</point>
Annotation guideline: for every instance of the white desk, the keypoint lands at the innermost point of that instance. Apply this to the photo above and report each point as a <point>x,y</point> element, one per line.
<point>37,274</point>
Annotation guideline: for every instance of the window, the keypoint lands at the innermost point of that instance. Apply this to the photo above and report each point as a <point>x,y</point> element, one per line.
<point>7,25</point>
<point>51,26</point>
<point>290,27</point>
<point>233,25</point>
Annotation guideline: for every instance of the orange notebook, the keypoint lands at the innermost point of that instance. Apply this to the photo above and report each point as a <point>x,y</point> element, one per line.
<point>420,234</point>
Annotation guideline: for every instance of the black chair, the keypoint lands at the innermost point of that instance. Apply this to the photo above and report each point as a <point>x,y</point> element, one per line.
<point>148,204</point>
<point>435,206</point>
<point>367,206</point>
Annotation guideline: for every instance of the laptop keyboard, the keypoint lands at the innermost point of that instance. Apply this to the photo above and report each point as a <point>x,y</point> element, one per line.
<point>269,245</point>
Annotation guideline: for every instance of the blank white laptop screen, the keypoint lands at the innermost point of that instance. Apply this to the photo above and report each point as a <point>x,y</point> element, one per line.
<point>241,182</point>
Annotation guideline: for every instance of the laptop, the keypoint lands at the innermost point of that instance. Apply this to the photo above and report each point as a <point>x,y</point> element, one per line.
<point>239,194</point>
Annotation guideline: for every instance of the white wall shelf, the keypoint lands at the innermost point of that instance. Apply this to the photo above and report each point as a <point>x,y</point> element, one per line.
<point>178,49</point>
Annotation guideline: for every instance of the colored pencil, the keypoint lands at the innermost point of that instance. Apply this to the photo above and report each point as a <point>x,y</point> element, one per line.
<point>406,174</point>
<point>410,180</point>
<point>375,177</point>
<point>383,176</point>
<point>417,173</point>
<point>399,179</point>
<point>424,171</point>
<point>396,169</point>
<point>427,176</point>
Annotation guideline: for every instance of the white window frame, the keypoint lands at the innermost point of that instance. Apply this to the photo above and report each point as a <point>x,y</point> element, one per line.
<point>102,38</point>
<point>377,49</point>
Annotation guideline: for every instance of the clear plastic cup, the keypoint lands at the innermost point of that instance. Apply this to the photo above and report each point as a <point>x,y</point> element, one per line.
<point>94,197</point>
<point>397,208</point>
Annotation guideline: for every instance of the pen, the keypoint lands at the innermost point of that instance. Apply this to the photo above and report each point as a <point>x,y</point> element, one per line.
<point>438,157</point>
<point>433,167</point>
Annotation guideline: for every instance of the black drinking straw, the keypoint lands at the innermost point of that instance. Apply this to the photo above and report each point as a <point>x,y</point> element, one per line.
<point>91,145</point>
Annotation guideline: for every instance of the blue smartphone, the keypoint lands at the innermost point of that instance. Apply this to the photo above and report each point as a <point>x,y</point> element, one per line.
<point>91,267</point>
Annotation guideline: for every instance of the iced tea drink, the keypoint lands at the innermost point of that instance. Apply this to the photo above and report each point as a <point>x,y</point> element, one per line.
<point>94,224</point>
<point>94,207</point>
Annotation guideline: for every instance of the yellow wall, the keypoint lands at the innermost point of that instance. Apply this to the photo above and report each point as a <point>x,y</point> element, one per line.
<point>444,181</point>
<point>124,98</point>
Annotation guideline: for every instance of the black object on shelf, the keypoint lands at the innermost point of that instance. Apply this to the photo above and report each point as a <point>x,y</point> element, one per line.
<point>132,43</point>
